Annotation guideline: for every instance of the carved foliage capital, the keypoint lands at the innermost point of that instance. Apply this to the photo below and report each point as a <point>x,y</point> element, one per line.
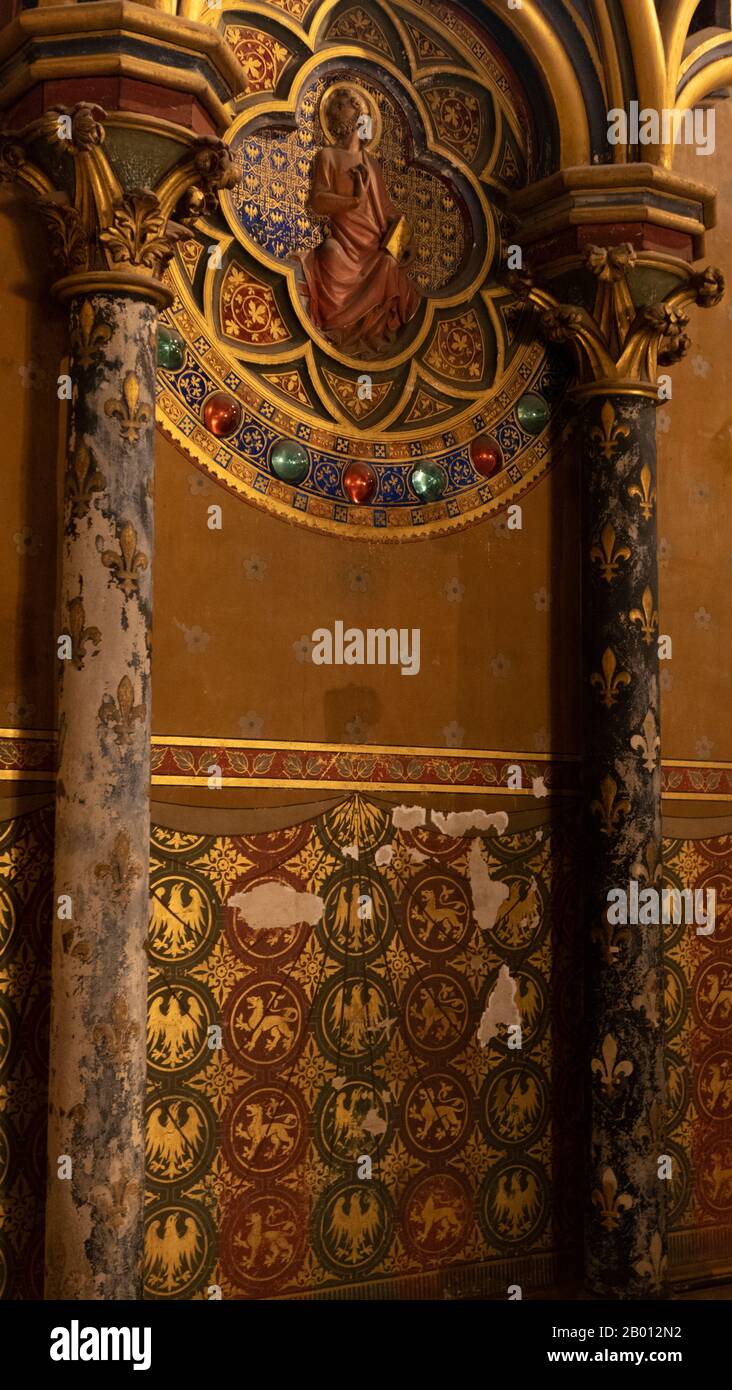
<point>617,343</point>
<point>103,225</point>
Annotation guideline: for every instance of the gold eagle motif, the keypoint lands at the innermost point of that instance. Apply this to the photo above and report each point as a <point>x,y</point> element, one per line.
<point>353,1012</point>
<point>174,1025</point>
<point>173,1248</point>
<point>354,1226</point>
<point>175,1131</point>
<point>178,926</point>
<point>516,1203</point>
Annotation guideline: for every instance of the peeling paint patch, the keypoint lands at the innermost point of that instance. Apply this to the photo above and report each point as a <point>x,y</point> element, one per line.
<point>374,1123</point>
<point>383,856</point>
<point>408,817</point>
<point>458,822</point>
<point>537,787</point>
<point>501,1007</point>
<point>350,850</point>
<point>270,906</point>
<point>487,895</point>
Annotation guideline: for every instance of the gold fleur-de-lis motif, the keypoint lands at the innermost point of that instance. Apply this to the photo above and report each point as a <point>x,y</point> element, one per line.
<point>653,1265</point>
<point>652,1127</point>
<point>83,479</point>
<point>646,493</point>
<point>113,1200</point>
<point>128,562</point>
<point>121,713</point>
<point>649,869</point>
<point>647,1000</point>
<point>88,335</point>
<point>609,438</point>
<point>611,937</point>
<point>609,684</point>
<point>119,1034</point>
<point>80,634</point>
<point>608,554</point>
<point>647,617</point>
<point>133,417</point>
<point>609,1202</point>
<point>647,742</point>
<point>74,944</point>
<point>122,869</point>
<point>611,1072</point>
<point>610,810</point>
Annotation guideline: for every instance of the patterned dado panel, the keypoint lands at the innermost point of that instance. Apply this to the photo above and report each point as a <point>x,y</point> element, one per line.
<point>452,133</point>
<point>356,1037</point>
<point>26,864</point>
<point>699,1062</point>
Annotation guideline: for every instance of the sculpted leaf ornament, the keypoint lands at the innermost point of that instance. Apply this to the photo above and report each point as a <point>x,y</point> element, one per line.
<point>617,344</point>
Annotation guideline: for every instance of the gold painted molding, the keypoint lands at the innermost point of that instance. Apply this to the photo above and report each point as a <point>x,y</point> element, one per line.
<point>113,282</point>
<point>116,17</point>
<point>561,201</point>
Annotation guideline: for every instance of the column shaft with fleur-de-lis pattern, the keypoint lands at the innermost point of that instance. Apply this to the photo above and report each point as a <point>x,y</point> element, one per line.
<point>96,1133</point>
<point>622,810</point>
<point>619,347</point>
<point>113,244</point>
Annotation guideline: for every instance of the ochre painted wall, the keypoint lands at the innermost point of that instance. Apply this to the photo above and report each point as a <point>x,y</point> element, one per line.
<point>498,666</point>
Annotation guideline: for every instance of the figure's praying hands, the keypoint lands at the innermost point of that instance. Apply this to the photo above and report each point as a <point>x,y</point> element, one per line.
<point>360,181</point>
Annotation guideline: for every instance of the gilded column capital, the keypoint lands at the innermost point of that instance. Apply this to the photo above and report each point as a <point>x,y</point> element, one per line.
<point>106,236</point>
<point>619,344</point>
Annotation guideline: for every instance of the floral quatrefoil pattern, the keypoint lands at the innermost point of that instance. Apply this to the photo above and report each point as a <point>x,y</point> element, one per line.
<point>452,137</point>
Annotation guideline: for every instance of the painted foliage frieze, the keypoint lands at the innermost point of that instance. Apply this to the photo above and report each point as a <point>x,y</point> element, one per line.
<point>341,348</point>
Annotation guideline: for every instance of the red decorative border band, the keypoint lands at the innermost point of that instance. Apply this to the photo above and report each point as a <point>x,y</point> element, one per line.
<point>29,755</point>
<point>367,767</point>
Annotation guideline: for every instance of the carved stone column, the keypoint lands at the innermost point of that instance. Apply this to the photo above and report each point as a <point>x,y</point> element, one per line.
<point>97,1066</point>
<point>626,1229</point>
<point>619,346</point>
<point>113,244</point>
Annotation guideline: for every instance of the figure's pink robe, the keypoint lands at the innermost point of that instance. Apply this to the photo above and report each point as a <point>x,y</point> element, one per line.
<point>358,293</point>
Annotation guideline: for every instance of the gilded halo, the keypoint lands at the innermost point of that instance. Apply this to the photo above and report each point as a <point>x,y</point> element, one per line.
<point>368,100</point>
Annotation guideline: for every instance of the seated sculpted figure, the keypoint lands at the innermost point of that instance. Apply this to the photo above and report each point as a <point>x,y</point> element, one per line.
<point>358,294</point>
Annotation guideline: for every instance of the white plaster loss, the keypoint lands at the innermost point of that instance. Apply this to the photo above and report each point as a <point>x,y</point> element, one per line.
<point>487,895</point>
<point>383,856</point>
<point>538,788</point>
<point>417,857</point>
<point>408,817</point>
<point>338,1082</point>
<point>458,822</point>
<point>272,906</point>
<point>374,1123</point>
<point>501,1007</point>
<point>351,850</point>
